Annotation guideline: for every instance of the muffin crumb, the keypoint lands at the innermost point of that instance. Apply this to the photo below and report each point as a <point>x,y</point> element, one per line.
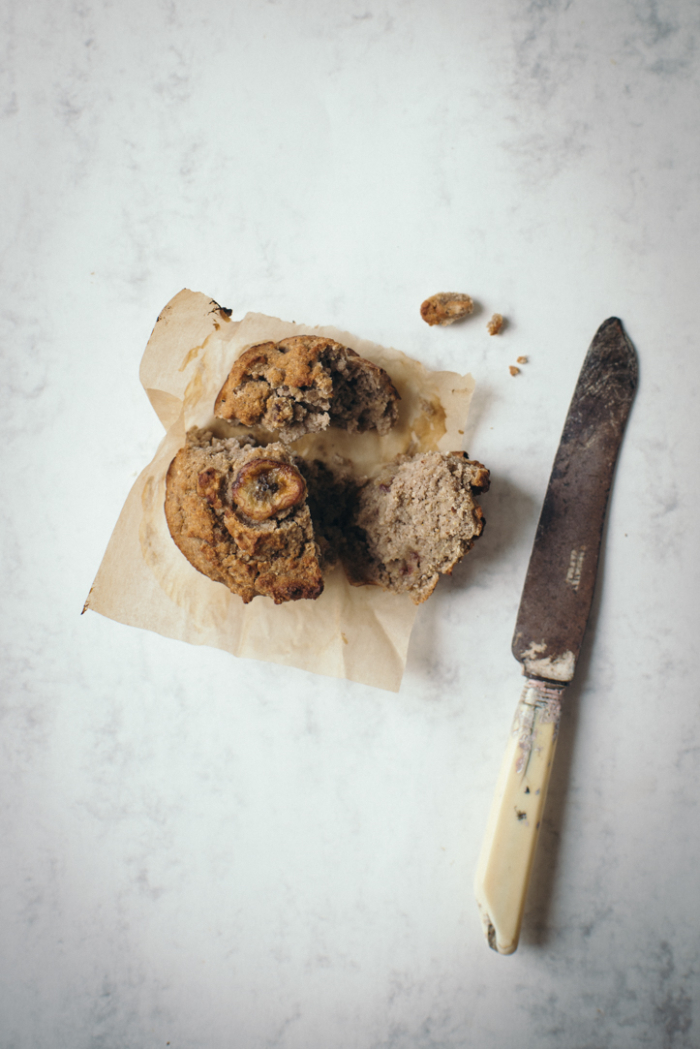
<point>446,308</point>
<point>495,325</point>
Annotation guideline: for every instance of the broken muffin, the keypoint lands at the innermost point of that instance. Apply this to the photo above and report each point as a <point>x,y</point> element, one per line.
<point>238,513</point>
<point>305,384</point>
<point>414,522</point>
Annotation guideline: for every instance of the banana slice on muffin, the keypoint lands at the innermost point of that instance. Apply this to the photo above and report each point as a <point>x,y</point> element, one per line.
<point>305,384</point>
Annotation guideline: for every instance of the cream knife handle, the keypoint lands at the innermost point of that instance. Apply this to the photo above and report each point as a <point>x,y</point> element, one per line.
<point>508,850</point>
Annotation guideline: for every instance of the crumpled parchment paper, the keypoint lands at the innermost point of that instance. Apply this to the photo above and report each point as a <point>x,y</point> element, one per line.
<point>359,633</point>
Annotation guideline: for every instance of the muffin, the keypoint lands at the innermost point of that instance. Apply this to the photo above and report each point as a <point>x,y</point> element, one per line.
<point>238,512</point>
<point>305,384</point>
<point>414,522</point>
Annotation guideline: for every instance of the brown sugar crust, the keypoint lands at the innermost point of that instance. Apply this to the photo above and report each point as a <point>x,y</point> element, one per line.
<point>305,384</point>
<point>277,556</point>
<point>414,522</point>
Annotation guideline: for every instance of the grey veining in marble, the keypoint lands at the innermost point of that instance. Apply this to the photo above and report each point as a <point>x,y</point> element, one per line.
<point>217,854</point>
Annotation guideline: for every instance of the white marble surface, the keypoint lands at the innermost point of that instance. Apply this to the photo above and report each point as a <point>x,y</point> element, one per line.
<point>217,854</point>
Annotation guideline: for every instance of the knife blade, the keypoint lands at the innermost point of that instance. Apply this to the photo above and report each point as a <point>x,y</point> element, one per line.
<point>554,610</point>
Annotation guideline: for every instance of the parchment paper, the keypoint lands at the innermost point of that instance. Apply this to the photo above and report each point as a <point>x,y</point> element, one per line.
<point>360,633</point>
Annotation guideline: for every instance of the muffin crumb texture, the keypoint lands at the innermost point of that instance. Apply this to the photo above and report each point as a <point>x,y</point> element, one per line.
<point>495,325</point>
<point>415,521</point>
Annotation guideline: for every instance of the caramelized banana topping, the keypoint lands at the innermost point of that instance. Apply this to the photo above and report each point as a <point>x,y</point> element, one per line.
<point>265,487</point>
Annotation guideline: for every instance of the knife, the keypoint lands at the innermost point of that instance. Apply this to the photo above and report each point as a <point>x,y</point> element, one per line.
<point>554,609</point>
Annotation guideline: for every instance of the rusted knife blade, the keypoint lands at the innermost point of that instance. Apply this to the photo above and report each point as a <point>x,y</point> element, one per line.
<point>560,580</point>
<point>554,610</point>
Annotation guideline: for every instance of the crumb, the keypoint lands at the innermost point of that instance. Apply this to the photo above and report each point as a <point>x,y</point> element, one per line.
<point>522,360</point>
<point>446,308</point>
<point>495,325</point>
<point>513,370</point>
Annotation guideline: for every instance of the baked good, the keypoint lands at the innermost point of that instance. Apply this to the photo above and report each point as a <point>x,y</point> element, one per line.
<point>446,307</point>
<point>305,384</point>
<point>262,520</point>
<point>495,325</point>
<point>238,513</point>
<point>414,521</point>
